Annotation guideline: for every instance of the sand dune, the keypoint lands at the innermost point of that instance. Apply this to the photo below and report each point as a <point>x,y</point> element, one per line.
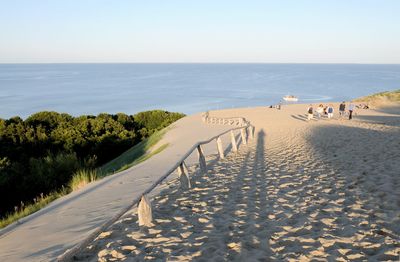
<point>319,190</point>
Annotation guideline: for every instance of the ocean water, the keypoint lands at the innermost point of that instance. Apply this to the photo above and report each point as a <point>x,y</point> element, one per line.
<point>189,88</point>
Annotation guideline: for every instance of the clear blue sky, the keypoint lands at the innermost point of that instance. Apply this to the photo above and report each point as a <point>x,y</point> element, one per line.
<point>284,31</point>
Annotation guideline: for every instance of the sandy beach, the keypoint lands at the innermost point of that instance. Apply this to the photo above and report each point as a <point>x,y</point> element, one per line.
<point>182,131</point>
<point>319,190</point>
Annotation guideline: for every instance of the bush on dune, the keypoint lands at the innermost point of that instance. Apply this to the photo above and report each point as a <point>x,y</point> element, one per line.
<point>41,154</point>
<point>151,121</point>
<point>51,172</point>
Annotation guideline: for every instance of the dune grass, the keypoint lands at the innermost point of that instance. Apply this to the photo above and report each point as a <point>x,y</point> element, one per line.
<point>37,204</point>
<point>131,157</point>
<point>134,155</point>
<point>391,96</point>
<point>81,178</point>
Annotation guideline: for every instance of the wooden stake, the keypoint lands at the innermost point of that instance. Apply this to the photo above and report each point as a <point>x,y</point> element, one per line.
<point>183,177</point>
<point>202,160</point>
<point>244,137</point>
<point>144,212</point>
<point>251,132</point>
<point>220,148</point>
<point>233,141</point>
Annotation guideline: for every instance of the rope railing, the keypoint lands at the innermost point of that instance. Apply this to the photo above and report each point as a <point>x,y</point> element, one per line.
<point>144,205</point>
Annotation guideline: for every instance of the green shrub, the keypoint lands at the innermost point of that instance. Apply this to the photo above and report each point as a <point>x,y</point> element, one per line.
<point>52,172</point>
<point>151,121</point>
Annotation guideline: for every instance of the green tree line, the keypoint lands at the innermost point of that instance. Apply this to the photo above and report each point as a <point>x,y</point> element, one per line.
<point>39,155</point>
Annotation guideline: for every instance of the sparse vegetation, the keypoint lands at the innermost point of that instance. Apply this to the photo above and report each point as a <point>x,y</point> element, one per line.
<point>81,178</point>
<point>133,155</point>
<point>388,96</point>
<point>24,210</point>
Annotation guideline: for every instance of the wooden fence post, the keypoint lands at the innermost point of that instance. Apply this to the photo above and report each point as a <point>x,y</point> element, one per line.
<point>243,133</point>
<point>185,167</point>
<point>205,117</point>
<point>220,148</point>
<point>183,177</point>
<point>202,160</point>
<point>233,141</point>
<point>251,133</point>
<point>144,212</point>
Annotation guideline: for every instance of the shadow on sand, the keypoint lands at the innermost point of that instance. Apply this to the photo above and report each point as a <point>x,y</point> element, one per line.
<point>392,120</point>
<point>262,207</point>
<point>211,220</point>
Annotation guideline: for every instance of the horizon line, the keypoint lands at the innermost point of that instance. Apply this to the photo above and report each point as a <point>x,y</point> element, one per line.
<point>283,63</point>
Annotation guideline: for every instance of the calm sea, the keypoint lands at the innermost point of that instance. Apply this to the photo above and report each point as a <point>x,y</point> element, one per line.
<point>93,88</point>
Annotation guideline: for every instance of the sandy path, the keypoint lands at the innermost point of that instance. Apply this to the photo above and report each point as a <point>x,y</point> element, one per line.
<point>66,222</point>
<point>324,190</point>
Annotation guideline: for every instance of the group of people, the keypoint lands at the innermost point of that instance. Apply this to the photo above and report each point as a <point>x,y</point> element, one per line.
<point>328,110</point>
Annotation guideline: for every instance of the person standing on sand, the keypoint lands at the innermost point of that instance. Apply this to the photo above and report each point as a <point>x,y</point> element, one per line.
<point>320,110</point>
<point>330,111</point>
<point>342,108</point>
<point>310,112</point>
<point>351,109</point>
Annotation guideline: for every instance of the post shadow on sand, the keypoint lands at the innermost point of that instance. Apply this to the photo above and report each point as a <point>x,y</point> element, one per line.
<point>310,207</point>
<point>239,143</point>
<point>249,196</point>
<point>234,192</point>
<point>243,189</point>
<point>252,201</point>
<point>227,151</point>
